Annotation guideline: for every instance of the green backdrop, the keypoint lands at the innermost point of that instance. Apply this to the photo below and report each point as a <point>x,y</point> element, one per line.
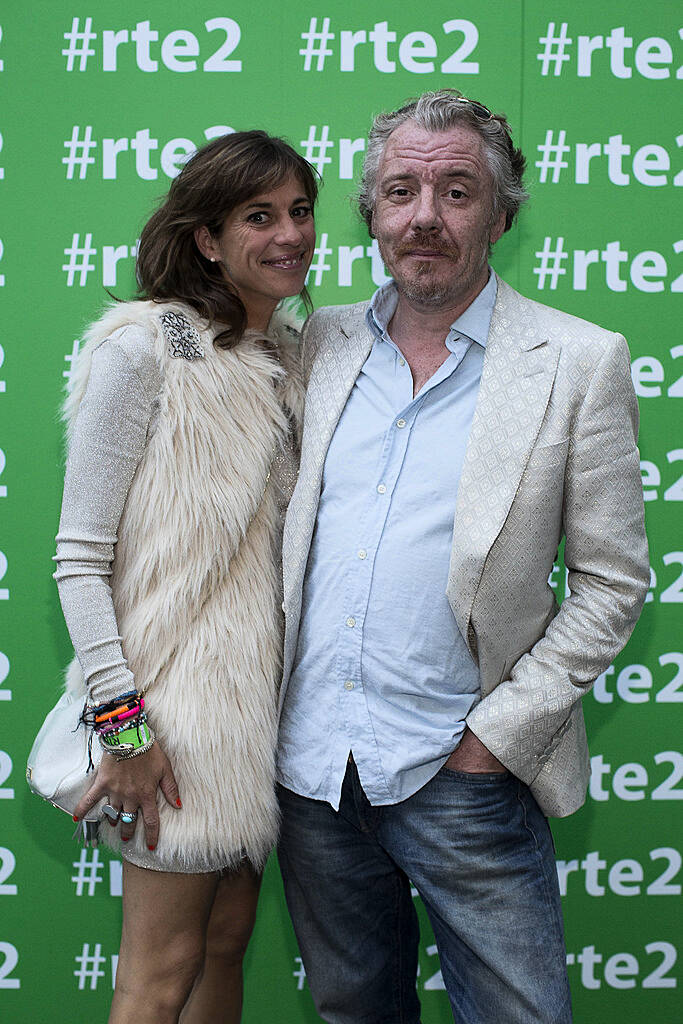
<point>101,103</point>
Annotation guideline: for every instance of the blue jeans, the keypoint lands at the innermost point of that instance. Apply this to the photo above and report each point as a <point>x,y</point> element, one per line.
<point>478,850</point>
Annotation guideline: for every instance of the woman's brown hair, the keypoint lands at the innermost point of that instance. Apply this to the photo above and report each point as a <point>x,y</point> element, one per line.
<point>219,177</point>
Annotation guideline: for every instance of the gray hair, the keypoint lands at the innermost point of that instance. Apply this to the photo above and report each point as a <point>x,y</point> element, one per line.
<point>439,112</point>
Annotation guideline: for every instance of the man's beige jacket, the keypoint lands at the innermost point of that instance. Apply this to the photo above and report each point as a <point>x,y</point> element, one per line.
<point>551,453</point>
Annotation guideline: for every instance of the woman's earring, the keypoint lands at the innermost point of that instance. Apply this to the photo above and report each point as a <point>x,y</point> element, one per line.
<point>213,259</point>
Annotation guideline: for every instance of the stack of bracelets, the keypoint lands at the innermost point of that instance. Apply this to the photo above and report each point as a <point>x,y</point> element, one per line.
<point>121,726</point>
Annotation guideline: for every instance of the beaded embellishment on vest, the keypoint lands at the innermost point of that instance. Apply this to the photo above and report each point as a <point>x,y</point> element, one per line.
<point>182,336</point>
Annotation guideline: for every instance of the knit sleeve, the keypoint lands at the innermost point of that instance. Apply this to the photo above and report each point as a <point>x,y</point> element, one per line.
<point>108,442</point>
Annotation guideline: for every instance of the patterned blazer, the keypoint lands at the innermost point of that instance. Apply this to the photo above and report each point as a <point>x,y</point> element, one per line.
<point>551,453</point>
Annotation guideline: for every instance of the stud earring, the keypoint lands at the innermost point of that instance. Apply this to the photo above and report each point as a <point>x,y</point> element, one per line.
<point>213,259</point>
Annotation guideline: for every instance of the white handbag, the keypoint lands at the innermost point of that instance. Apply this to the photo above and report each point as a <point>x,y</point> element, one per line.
<point>57,767</point>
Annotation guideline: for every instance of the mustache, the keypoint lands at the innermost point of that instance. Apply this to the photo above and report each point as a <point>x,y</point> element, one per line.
<point>427,243</point>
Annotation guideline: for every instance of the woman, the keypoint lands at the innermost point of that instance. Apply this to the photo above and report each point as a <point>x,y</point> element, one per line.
<point>181,460</point>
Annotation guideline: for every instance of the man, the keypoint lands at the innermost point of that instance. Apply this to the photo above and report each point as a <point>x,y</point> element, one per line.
<point>431,712</point>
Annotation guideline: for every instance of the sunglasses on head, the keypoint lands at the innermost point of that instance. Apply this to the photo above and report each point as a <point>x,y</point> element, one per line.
<point>478,109</point>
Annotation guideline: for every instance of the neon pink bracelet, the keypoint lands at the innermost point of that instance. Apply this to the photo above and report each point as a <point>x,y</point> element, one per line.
<point>115,725</point>
<point>133,711</point>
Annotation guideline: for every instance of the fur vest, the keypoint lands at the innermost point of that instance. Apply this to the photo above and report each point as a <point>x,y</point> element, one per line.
<point>196,582</point>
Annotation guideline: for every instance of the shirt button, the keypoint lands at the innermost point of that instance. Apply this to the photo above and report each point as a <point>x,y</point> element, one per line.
<point>381,489</point>
<point>362,553</point>
<point>400,423</point>
<point>348,685</point>
<point>350,622</point>
<point>401,362</point>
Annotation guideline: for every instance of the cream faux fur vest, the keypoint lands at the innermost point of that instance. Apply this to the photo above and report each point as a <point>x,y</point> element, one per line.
<point>196,580</point>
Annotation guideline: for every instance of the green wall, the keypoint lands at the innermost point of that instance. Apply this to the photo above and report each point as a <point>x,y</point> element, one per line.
<point>605,156</point>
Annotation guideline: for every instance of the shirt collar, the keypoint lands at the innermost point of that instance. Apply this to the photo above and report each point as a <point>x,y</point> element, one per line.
<point>474,323</point>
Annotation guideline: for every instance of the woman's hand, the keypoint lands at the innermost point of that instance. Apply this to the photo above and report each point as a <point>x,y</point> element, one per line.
<point>131,784</point>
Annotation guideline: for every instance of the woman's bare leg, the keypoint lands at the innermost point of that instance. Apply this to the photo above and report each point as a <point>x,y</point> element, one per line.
<point>217,995</point>
<point>165,917</point>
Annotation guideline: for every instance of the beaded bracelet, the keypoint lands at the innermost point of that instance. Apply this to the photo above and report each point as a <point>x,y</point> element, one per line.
<point>115,730</point>
<point>118,714</point>
<point>133,712</point>
<point>112,719</point>
<point>121,725</point>
<point>108,705</point>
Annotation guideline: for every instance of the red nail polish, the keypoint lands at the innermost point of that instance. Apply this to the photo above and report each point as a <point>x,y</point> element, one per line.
<point>124,839</point>
<point>151,847</point>
<point>76,818</point>
<point>179,802</point>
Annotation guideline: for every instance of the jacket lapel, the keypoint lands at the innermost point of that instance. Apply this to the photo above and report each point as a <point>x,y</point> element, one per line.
<point>334,372</point>
<point>516,382</point>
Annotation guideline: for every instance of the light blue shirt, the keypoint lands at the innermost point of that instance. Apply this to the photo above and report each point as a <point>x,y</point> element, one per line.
<point>381,669</point>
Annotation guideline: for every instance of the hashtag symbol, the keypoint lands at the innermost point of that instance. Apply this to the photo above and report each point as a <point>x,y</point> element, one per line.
<point>319,266</point>
<point>299,973</point>
<point>316,44</point>
<point>311,146</point>
<point>550,263</point>
<point>79,260</point>
<point>71,358</point>
<point>552,153</point>
<point>87,871</point>
<point>79,152</point>
<point>554,47</point>
<point>78,44</point>
<point>90,965</point>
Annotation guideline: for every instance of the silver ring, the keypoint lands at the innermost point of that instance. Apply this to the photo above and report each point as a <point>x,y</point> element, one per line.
<point>111,813</point>
<point>128,817</point>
